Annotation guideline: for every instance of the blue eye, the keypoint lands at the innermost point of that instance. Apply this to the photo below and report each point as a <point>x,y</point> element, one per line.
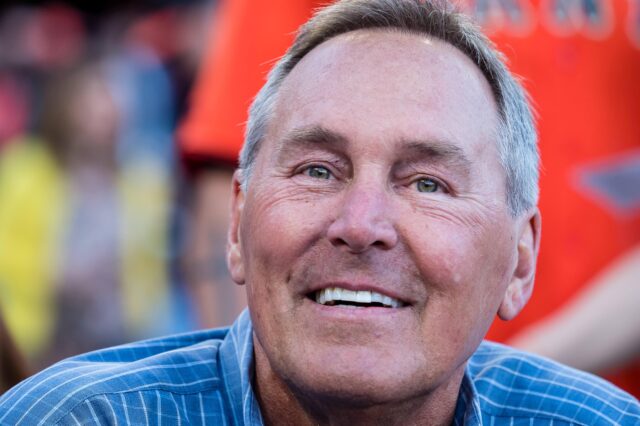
<point>427,185</point>
<point>318,172</point>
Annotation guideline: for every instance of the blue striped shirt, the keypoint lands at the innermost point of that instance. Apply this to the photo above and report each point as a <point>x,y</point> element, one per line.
<point>204,378</point>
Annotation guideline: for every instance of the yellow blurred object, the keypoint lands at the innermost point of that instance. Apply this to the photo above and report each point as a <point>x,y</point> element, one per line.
<point>145,195</point>
<point>33,198</point>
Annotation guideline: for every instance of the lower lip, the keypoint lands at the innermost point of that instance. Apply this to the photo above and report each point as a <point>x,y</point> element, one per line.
<point>354,313</point>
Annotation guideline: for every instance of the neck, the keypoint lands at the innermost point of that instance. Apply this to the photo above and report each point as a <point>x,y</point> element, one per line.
<point>283,403</point>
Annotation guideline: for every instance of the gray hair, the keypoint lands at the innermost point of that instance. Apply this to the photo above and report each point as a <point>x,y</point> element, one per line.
<point>517,138</point>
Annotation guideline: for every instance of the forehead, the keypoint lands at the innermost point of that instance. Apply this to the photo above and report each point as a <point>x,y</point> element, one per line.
<point>379,85</point>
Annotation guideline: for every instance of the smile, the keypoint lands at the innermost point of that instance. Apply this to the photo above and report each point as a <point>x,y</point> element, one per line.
<point>340,297</point>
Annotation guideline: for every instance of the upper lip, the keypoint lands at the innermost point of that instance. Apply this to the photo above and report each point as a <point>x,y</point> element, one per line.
<point>359,286</point>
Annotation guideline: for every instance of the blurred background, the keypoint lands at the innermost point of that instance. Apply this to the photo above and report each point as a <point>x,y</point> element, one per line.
<point>120,125</point>
<point>93,200</point>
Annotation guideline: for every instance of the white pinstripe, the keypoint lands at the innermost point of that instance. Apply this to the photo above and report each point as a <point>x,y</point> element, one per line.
<point>75,419</point>
<point>201,408</point>
<point>547,396</point>
<point>35,383</point>
<point>178,415</point>
<point>91,369</point>
<point>159,399</point>
<point>220,410</point>
<point>576,374</point>
<point>113,413</point>
<point>616,396</point>
<point>184,405</point>
<point>144,409</point>
<point>537,413</point>
<point>94,416</point>
<point>96,382</point>
<point>126,409</point>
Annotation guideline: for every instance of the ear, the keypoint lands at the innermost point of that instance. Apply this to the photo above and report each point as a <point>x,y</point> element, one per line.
<point>521,285</point>
<point>235,262</point>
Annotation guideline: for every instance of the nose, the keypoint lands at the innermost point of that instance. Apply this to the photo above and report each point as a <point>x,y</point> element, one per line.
<point>364,221</point>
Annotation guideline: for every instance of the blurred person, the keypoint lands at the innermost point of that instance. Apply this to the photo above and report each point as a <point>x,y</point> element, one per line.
<point>175,34</point>
<point>376,249</point>
<point>146,165</point>
<point>143,159</point>
<point>33,188</point>
<point>32,210</point>
<point>80,121</point>
<point>83,215</point>
<point>157,59</point>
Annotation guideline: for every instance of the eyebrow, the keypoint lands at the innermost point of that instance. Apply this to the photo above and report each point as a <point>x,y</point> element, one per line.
<point>312,136</point>
<point>412,151</point>
<point>444,152</point>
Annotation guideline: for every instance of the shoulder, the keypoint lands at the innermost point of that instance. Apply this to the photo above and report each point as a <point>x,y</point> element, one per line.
<point>515,384</point>
<point>111,379</point>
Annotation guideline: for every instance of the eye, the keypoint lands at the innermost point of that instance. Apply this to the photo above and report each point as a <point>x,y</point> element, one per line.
<point>427,185</point>
<point>318,172</point>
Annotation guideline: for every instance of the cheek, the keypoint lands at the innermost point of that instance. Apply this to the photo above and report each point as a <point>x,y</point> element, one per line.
<point>466,270</point>
<point>277,229</point>
<point>465,273</point>
<point>459,252</point>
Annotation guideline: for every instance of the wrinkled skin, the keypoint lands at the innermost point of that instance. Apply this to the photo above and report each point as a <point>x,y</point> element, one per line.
<point>379,171</point>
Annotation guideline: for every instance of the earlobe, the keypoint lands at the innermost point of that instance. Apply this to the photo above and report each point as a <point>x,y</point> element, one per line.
<point>521,286</point>
<point>235,261</point>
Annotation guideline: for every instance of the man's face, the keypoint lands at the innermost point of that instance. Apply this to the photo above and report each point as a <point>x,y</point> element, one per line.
<point>379,175</point>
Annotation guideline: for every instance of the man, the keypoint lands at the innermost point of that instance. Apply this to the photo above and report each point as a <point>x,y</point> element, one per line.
<point>384,212</point>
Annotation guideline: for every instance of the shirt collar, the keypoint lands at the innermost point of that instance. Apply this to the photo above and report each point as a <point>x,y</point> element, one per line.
<point>236,357</point>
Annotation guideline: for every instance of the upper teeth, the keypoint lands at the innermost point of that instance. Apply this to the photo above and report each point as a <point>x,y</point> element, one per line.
<point>335,294</point>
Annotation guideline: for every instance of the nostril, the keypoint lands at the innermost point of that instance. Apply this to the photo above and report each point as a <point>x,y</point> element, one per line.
<point>349,244</point>
<point>339,242</point>
<point>360,239</point>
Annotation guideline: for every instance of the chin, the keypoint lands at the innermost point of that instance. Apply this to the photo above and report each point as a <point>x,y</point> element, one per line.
<point>355,394</point>
<point>359,384</point>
